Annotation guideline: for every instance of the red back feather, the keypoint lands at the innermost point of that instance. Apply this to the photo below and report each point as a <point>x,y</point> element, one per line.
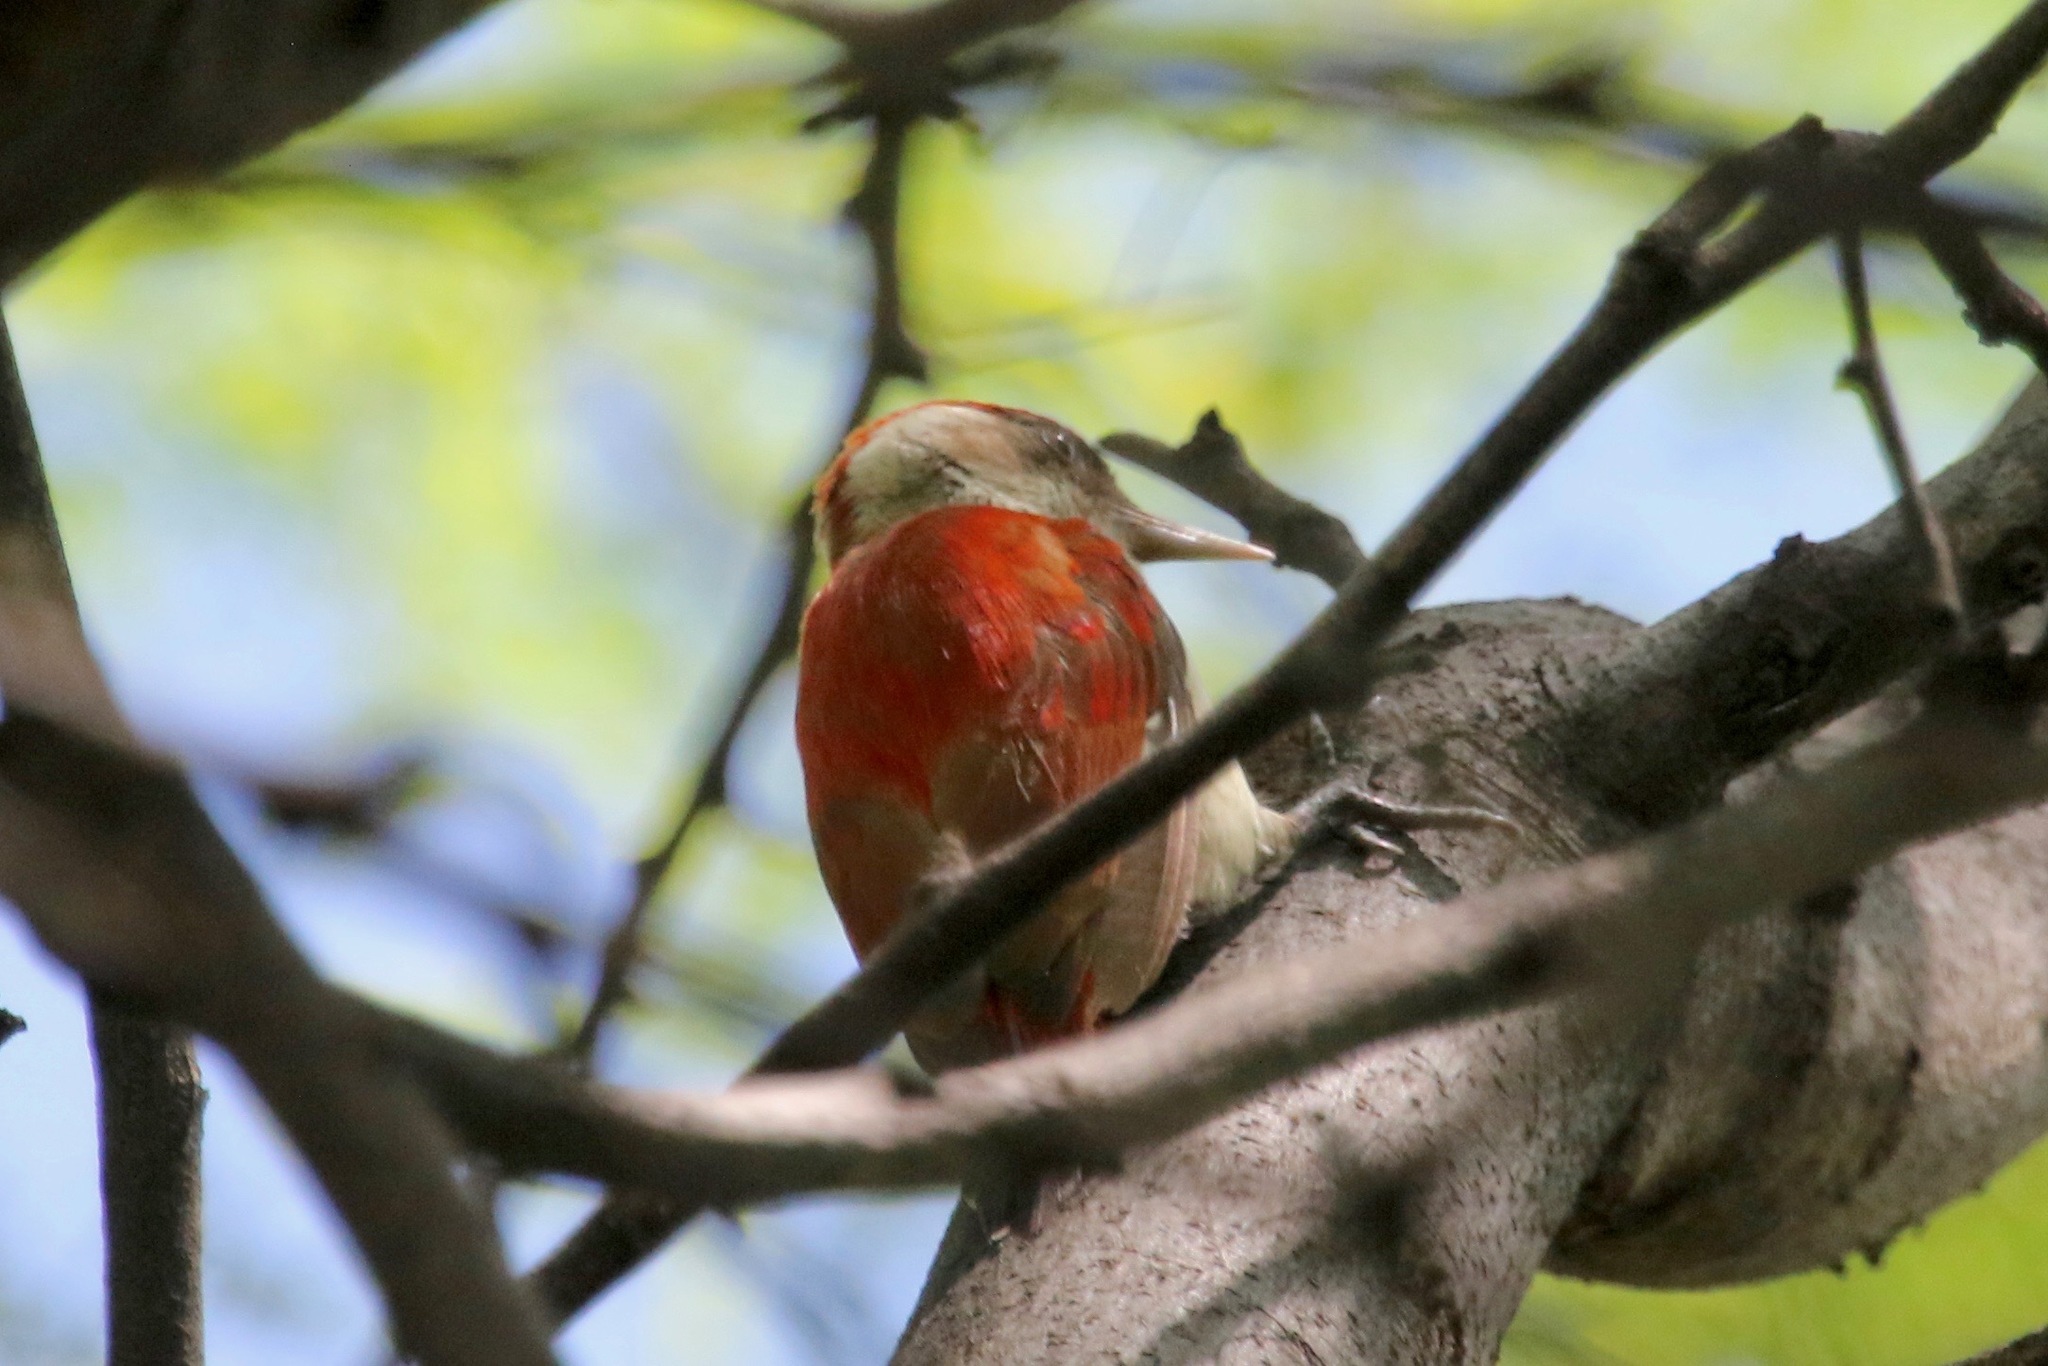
<point>963,676</point>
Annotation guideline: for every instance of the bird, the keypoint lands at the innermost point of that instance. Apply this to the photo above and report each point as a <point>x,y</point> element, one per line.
<point>984,653</point>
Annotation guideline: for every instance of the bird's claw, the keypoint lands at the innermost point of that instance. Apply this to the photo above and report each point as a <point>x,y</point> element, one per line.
<point>1368,841</point>
<point>1356,814</point>
<point>1322,746</point>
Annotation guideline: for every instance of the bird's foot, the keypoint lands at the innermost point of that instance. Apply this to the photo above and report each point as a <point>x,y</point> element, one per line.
<point>1367,821</point>
<point>1018,1205</point>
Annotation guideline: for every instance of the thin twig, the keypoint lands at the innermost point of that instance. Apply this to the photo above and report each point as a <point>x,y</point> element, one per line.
<point>874,209</point>
<point>150,1098</point>
<point>1593,100</point>
<point>1211,464</point>
<point>1993,302</point>
<point>1864,373</point>
<point>877,38</point>
<point>1685,264</point>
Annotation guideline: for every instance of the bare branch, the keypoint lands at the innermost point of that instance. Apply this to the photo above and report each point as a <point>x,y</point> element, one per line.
<point>122,876</point>
<point>1994,303</point>
<point>150,1098</point>
<point>1211,464</point>
<point>1627,920</point>
<point>151,1102</point>
<point>1864,372</point>
<point>1714,688</point>
<point>1963,110</point>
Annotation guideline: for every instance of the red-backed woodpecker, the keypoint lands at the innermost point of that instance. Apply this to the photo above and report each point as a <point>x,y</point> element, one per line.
<point>983,654</point>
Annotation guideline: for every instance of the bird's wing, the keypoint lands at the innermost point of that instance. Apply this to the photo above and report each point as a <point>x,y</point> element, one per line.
<point>1101,681</point>
<point>963,678</point>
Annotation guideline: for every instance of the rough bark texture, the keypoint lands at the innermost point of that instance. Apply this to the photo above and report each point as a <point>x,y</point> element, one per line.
<point>1331,1219</point>
<point>1832,1073</point>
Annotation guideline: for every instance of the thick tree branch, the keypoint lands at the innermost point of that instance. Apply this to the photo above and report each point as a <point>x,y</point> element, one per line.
<point>107,97</point>
<point>1627,921</point>
<point>150,1097</point>
<point>1622,921</point>
<point>1680,708</point>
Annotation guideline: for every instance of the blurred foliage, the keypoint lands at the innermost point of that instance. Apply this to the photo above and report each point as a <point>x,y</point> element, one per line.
<point>466,417</point>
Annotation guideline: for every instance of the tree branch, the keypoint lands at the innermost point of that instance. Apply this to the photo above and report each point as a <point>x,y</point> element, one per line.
<point>151,1104</point>
<point>1864,373</point>
<point>1678,709</point>
<point>1623,920</point>
<point>1211,464</point>
<point>107,99</point>
<point>150,1097</point>
<point>1994,304</point>
<point>1626,920</point>
<point>375,1146</point>
<point>122,877</point>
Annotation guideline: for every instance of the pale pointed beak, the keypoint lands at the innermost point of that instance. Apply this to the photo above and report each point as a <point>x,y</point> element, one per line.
<point>1151,537</point>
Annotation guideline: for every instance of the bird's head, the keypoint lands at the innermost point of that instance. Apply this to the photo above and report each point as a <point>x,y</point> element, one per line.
<point>949,452</point>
